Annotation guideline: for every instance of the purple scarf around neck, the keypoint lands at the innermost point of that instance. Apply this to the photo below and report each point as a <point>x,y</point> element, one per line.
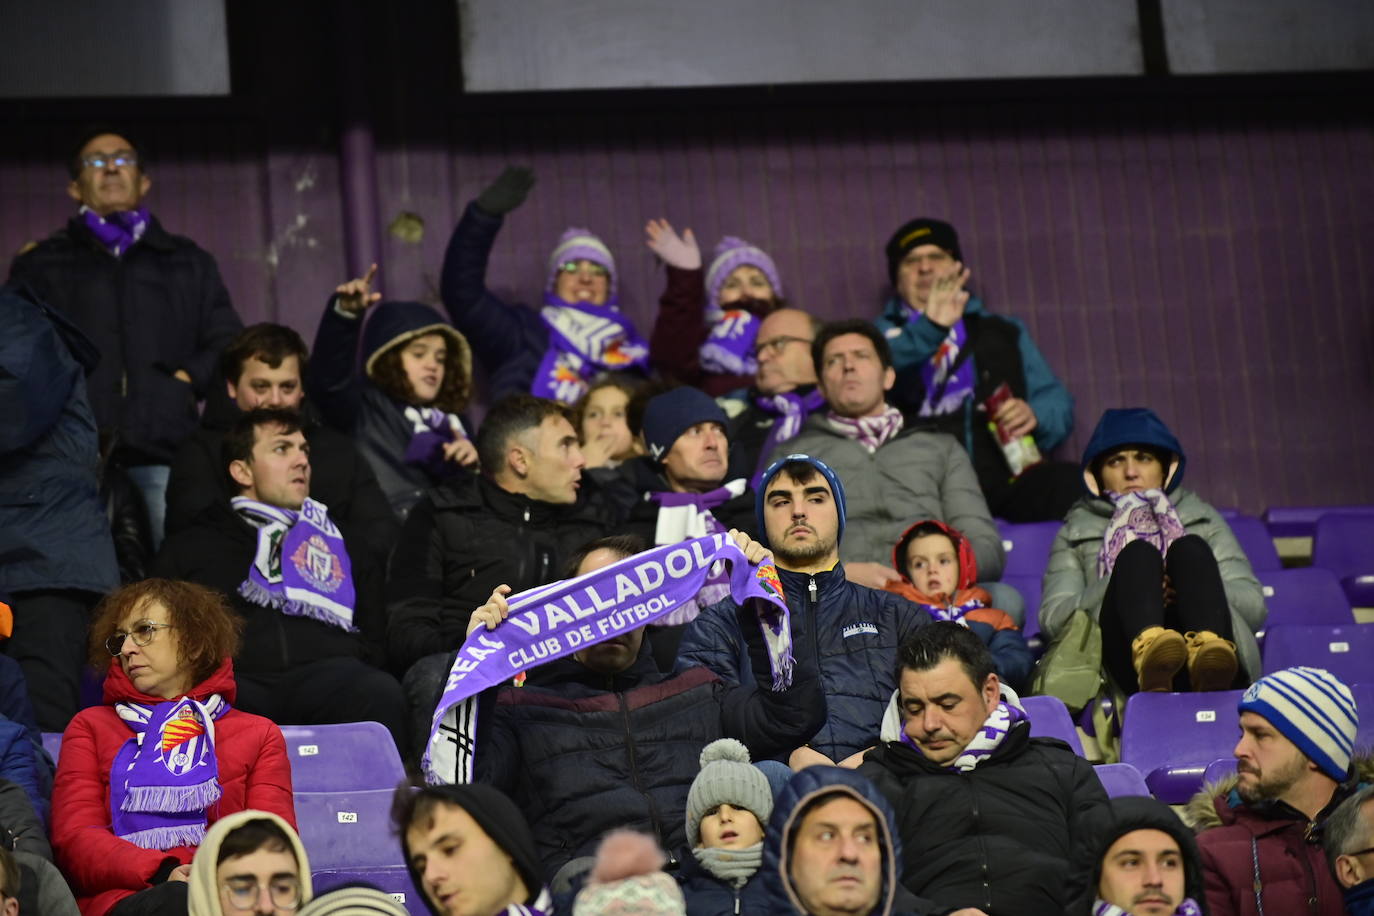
<point>317,582</point>
<point>946,386</point>
<point>791,410</point>
<point>118,231</point>
<point>729,345</point>
<point>165,777</point>
<point>989,738</point>
<point>430,430</point>
<point>683,516</point>
<point>950,612</point>
<point>584,340</point>
<point>1147,515</point>
<point>1101,907</point>
<point>554,621</point>
<point>870,432</point>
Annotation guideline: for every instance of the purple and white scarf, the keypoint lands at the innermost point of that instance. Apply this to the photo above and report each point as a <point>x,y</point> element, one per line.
<point>791,410</point>
<point>1146,515</point>
<point>165,777</point>
<point>118,231</point>
<point>317,582</point>
<point>995,729</point>
<point>870,432</point>
<point>554,621</point>
<point>951,612</point>
<point>946,386</point>
<point>542,906</point>
<point>430,430</point>
<point>729,345</point>
<point>1101,907</point>
<point>684,516</point>
<point>584,340</point>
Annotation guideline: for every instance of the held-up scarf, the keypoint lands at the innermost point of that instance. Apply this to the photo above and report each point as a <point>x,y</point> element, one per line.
<point>733,866</point>
<point>683,516</point>
<point>988,739</point>
<point>729,345</point>
<point>791,410</point>
<point>553,621</point>
<point>1145,515</point>
<point>301,566</point>
<point>584,340</point>
<point>870,432</point>
<point>118,231</point>
<point>946,385</point>
<point>166,776</point>
<point>431,430</point>
<point>1188,907</point>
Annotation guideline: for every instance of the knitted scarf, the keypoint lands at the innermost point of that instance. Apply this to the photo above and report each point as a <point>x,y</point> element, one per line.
<point>730,342</point>
<point>870,432</point>
<point>955,607</point>
<point>733,866</point>
<point>1101,907</point>
<point>684,516</point>
<point>118,231</point>
<point>947,386</point>
<point>791,410</point>
<point>165,777</point>
<point>542,906</point>
<point>989,738</point>
<point>1145,515</point>
<point>584,340</point>
<point>431,430</point>
<point>317,582</point>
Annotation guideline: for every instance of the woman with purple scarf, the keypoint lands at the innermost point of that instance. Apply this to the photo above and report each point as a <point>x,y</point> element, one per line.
<point>1160,570</point>
<point>166,755</point>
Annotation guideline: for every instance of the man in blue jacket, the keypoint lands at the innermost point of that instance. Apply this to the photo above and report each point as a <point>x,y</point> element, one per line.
<point>851,632</point>
<point>951,355</point>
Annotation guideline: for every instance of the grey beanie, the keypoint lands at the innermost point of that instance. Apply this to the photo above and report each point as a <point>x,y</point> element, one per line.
<point>727,778</point>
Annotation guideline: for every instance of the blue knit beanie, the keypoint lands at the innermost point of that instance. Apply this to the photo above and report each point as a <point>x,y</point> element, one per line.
<point>672,413</point>
<point>771,471</point>
<point>1311,708</point>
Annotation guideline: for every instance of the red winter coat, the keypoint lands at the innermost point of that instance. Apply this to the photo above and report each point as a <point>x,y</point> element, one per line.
<point>254,772</point>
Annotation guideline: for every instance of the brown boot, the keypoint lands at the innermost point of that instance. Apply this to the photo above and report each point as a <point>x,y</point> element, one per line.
<point>1211,661</point>
<point>1158,655</point>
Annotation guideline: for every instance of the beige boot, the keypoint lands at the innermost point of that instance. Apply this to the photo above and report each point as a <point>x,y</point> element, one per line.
<point>1158,655</point>
<point>1211,661</point>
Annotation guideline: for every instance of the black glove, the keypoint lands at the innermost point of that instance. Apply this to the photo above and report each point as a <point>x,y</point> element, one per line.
<point>508,191</point>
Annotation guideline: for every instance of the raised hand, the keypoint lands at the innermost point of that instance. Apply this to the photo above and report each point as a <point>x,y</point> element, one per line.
<point>461,451</point>
<point>947,299</point>
<point>675,250</point>
<point>754,552</point>
<point>357,295</point>
<point>493,612</point>
<point>508,191</point>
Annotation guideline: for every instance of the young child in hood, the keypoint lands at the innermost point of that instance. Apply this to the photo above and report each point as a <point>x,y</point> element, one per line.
<point>938,572</point>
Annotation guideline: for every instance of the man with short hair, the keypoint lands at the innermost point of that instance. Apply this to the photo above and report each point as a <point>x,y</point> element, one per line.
<point>1136,858</point>
<point>850,631</point>
<point>312,606</point>
<point>895,475</point>
<point>1349,843</point>
<point>1259,830</point>
<point>152,302</point>
<point>989,814</point>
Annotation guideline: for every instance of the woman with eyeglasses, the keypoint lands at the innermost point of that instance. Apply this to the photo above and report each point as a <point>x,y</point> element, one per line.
<point>578,333</point>
<point>141,776</point>
<point>250,862</point>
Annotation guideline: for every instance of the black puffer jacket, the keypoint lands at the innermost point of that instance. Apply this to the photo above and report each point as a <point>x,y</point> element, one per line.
<point>641,479</point>
<point>582,752</point>
<point>469,536</point>
<point>852,631</point>
<point>998,837</point>
<point>159,308</point>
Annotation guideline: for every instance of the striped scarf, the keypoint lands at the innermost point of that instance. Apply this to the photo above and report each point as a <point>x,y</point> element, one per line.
<point>989,738</point>
<point>870,432</point>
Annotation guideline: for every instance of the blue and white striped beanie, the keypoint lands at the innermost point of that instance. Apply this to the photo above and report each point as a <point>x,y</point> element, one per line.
<point>1311,708</point>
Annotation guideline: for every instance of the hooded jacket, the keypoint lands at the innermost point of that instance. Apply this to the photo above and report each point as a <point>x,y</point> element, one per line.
<point>103,869</point>
<point>351,402</point>
<point>1109,823</point>
<point>1071,582</point>
<point>203,893</point>
<point>1235,838</point>
<point>789,812</point>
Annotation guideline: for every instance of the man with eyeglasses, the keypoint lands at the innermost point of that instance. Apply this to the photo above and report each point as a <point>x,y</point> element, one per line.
<point>152,302</point>
<point>1349,843</point>
<point>250,862</point>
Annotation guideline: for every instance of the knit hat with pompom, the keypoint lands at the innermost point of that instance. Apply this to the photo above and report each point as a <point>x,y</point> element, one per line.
<point>727,778</point>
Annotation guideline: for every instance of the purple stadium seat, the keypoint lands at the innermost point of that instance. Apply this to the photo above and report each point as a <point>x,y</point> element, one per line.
<point>1344,544</point>
<point>1050,718</point>
<point>1219,769</point>
<point>52,743</point>
<point>347,757</point>
<point>1301,521</point>
<point>348,838</point>
<point>1304,596</point>
<point>1029,587</point>
<point>1120,779</point>
<point>1027,546</point>
<point>1256,541</point>
<point>1171,737</point>
<point>1345,651</point>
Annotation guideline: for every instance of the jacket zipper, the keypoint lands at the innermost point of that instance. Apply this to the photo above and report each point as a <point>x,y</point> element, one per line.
<point>634,769</point>
<point>982,845</point>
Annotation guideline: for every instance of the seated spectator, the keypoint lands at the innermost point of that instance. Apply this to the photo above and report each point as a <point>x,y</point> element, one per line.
<point>404,409</point>
<point>938,573</point>
<point>23,761</point>
<point>896,476</point>
<point>849,632</point>
<point>603,739</point>
<point>707,322</point>
<point>1349,843</point>
<point>312,606</point>
<point>40,887</point>
<point>628,877</point>
<point>599,417</point>
<point>469,851</point>
<point>1134,857</point>
<point>125,825</point>
<point>833,848</point>
<point>727,806</point>
<point>1156,566</point>
<point>951,357</point>
<point>263,367</point>
<point>989,814</point>
<point>54,536</point>
<point>1259,831</point>
<point>579,332</point>
<point>249,862</point>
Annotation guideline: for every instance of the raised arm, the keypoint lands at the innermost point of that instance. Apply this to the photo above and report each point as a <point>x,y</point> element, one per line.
<point>680,325</point>
<point>332,378</point>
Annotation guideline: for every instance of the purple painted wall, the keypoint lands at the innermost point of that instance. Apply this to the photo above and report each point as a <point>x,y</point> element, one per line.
<point>1209,256</point>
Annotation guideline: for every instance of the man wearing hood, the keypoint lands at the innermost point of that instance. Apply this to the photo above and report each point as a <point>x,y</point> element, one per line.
<point>249,862</point>
<point>1134,857</point>
<point>1349,843</point>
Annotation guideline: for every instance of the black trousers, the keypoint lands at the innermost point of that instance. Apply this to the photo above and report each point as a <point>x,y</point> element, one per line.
<point>166,899</point>
<point>1043,493</point>
<point>1135,601</point>
<point>49,642</point>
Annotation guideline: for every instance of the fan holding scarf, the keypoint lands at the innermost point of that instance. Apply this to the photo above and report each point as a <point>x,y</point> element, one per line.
<point>142,775</point>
